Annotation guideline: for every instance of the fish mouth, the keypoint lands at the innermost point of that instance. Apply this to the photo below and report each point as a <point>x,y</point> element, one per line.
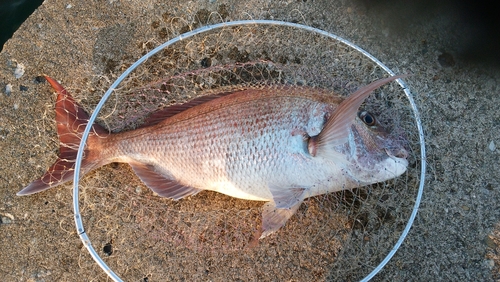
<point>398,154</point>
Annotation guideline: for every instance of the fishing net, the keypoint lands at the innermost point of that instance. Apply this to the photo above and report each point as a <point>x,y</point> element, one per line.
<point>337,236</point>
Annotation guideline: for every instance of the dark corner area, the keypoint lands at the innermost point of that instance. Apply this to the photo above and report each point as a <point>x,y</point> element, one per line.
<point>473,25</point>
<point>12,14</point>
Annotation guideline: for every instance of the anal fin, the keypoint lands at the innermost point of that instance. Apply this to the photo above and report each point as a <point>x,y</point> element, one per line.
<point>161,184</point>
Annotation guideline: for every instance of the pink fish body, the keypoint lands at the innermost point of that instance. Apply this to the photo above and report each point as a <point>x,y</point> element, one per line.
<point>275,144</point>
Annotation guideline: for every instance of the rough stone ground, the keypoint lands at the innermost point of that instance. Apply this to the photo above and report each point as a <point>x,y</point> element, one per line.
<point>456,234</point>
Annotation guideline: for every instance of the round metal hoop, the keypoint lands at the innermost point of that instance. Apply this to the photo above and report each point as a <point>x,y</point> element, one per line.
<point>78,219</point>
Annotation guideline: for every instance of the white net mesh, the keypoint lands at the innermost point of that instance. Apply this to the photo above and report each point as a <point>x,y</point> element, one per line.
<point>339,236</point>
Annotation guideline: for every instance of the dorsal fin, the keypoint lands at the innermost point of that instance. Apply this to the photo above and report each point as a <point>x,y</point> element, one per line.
<point>162,114</point>
<point>336,129</point>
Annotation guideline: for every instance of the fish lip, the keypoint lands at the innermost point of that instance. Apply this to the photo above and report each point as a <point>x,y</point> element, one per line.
<point>399,155</point>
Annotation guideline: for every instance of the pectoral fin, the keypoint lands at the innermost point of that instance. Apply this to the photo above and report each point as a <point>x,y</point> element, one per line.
<point>161,184</point>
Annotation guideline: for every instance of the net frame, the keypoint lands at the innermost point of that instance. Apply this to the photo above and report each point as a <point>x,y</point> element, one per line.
<point>77,216</point>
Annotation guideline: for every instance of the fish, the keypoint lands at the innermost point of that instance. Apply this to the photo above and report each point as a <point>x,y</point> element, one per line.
<point>277,144</point>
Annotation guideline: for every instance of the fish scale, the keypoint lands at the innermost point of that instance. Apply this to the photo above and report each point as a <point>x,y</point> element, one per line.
<point>194,151</point>
<point>279,144</point>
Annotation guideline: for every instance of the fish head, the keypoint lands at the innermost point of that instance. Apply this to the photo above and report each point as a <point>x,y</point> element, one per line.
<point>373,154</point>
<point>354,140</point>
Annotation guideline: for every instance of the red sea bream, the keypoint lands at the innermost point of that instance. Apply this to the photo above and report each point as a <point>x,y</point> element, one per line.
<point>278,144</point>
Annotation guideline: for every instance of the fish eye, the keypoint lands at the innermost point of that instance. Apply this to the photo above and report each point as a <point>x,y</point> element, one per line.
<point>367,118</point>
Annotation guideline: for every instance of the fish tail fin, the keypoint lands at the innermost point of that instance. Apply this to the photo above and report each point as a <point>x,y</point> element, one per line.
<point>336,129</point>
<point>71,121</point>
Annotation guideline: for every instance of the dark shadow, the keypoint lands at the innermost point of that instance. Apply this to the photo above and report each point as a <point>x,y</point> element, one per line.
<point>12,14</point>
